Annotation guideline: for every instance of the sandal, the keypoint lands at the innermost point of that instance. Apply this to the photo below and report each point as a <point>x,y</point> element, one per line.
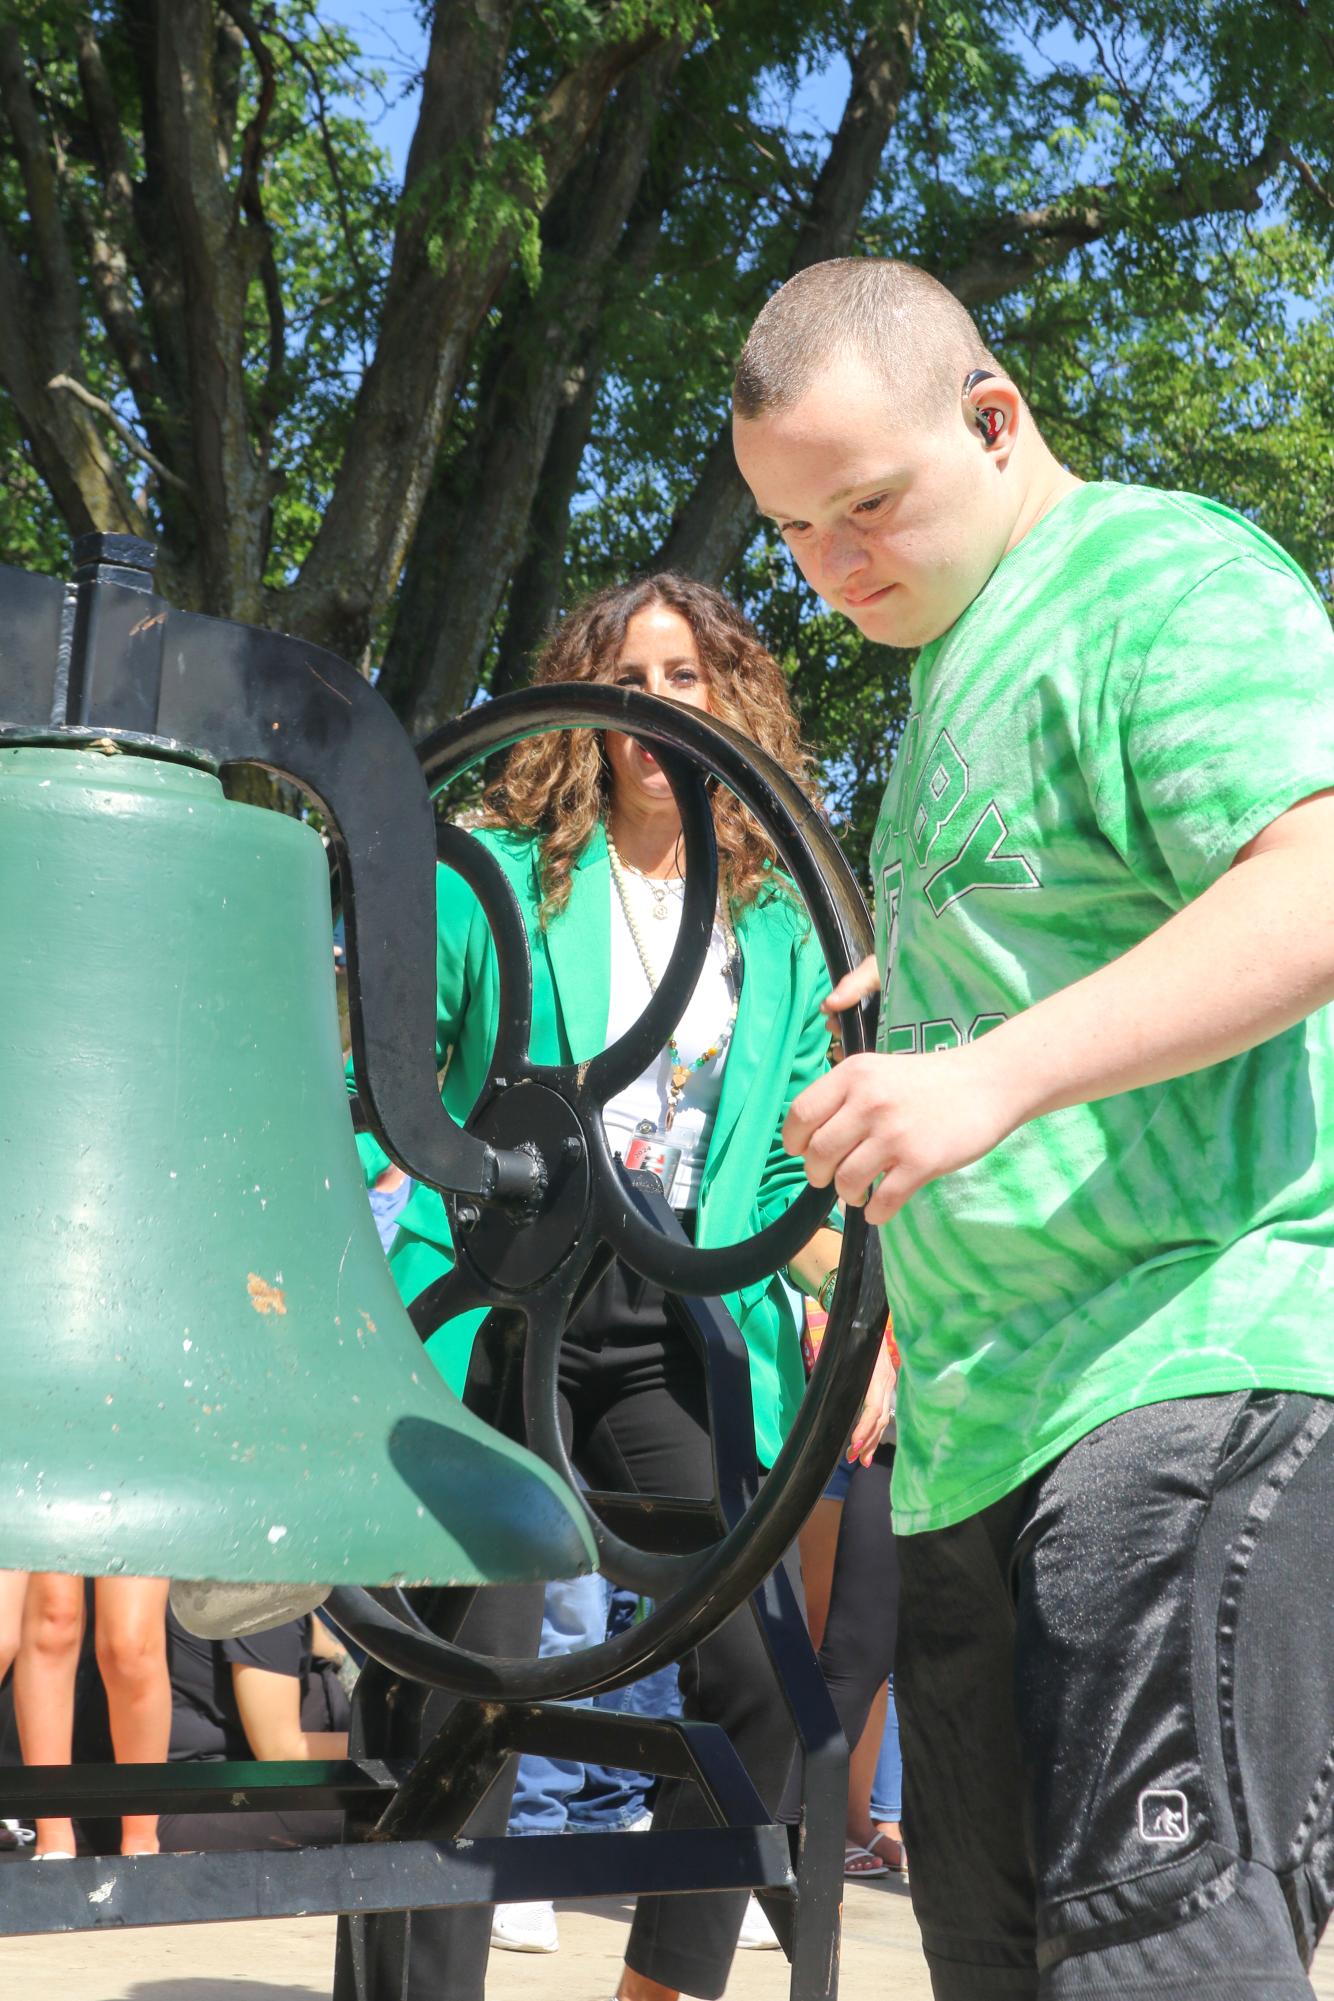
<point>893,1854</point>
<point>858,1862</point>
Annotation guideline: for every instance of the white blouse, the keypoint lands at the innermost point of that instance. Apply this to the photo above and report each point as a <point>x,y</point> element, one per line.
<point>642,1106</point>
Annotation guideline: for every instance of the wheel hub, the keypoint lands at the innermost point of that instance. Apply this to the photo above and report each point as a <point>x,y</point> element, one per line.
<point>515,1249</point>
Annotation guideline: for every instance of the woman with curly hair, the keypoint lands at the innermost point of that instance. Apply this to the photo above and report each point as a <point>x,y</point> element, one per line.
<point>586,828</point>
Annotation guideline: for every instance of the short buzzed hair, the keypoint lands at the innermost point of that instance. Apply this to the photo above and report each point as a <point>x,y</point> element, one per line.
<point>901,321</point>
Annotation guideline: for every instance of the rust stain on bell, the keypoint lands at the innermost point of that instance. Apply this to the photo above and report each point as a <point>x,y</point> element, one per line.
<point>265,1298</point>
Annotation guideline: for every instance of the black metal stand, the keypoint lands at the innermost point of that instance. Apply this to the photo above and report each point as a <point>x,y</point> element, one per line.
<point>797,1871</point>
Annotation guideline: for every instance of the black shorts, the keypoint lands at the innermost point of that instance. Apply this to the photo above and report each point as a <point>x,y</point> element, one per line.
<point>1116,1691</point>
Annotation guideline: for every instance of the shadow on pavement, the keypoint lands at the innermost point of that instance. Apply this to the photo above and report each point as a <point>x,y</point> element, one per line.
<point>208,1989</point>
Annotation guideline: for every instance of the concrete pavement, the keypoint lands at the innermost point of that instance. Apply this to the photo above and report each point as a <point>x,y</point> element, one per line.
<point>292,1960</point>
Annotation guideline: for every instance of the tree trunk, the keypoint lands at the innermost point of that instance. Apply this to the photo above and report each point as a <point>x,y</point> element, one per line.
<point>41,329</point>
<point>538,584</point>
<point>710,532</point>
<point>472,528</point>
<point>440,288</point>
<point>220,252</point>
<point>535,590</point>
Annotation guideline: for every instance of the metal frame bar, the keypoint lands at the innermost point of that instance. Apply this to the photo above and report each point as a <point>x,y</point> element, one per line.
<point>372,1878</point>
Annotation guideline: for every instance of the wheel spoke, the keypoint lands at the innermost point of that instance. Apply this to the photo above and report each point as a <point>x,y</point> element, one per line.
<point>489,884</point>
<point>455,1292</point>
<point>680,1266</point>
<point>630,1055</point>
<point>650,1572</point>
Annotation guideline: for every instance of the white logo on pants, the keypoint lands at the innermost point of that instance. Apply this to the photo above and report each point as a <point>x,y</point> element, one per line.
<point>1163,1816</point>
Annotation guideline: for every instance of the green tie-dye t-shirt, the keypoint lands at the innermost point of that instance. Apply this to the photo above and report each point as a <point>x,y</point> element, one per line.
<point>1145,682</point>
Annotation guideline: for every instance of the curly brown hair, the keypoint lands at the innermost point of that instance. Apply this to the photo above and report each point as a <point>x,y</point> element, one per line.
<point>558,786</point>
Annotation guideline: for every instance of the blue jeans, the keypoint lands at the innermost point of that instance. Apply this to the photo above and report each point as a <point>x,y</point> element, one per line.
<point>387,1205</point>
<point>611,1799</point>
<point>887,1785</point>
<point>553,1794</point>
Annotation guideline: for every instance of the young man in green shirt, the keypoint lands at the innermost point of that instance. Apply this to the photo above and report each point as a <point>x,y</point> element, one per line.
<point>1100,1139</point>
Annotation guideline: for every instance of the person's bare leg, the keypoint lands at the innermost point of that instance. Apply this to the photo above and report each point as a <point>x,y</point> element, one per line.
<point>861,1774</point>
<point>131,1639</point>
<point>638,1987</point>
<point>818,1546</point>
<point>44,1671</point>
<point>883,1837</point>
<point>13,1591</point>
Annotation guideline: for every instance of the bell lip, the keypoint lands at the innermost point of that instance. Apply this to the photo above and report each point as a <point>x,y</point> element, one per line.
<point>213,1609</point>
<point>84,736</point>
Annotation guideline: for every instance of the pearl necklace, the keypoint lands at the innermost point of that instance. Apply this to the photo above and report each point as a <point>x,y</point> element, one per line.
<point>680,1072</point>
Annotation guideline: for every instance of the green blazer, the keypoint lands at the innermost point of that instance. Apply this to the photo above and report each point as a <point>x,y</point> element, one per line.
<point>779,1045</point>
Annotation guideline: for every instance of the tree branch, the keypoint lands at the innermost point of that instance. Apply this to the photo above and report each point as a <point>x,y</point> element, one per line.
<point>251,202</point>
<point>110,241</point>
<point>712,530</point>
<point>1309,179</point>
<point>38,169</point>
<point>41,328</point>
<point>119,426</point>
<point>83,478</point>
<point>535,587</point>
<point>1044,236</point>
<point>303,62</point>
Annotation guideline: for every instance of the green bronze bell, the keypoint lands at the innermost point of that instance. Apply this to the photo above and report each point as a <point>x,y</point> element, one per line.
<point>207,1371</point>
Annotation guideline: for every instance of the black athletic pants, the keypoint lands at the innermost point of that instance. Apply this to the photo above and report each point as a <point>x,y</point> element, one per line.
<point>635,1416</point>
<point>857,1652</point>
<point>1116,1692</point>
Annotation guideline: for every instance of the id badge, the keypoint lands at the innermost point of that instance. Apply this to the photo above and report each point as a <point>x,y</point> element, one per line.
<point>654,1153</point>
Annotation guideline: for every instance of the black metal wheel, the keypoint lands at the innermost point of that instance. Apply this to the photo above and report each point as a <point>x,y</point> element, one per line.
<point>530,1253</point>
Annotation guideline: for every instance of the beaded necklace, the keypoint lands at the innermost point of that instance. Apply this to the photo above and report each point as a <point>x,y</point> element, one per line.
<point>680,1072</point>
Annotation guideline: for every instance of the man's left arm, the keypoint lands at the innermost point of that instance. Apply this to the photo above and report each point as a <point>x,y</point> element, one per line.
<point>1249,957</point>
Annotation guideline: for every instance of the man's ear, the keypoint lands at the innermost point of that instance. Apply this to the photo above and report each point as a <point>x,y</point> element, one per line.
<point>993,410</point>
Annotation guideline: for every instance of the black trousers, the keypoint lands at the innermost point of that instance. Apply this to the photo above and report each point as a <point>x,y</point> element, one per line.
<point>635,1417</point>
<point>861,1630</point>
<point>1116,1692</point>
<point>857,1651</point>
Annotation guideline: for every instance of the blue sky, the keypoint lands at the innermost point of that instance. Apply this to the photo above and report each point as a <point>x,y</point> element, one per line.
<point>393,39</point>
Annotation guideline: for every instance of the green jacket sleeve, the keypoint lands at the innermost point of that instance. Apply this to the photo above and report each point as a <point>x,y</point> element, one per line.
<point>456,911</point>
<point>784,1176</point>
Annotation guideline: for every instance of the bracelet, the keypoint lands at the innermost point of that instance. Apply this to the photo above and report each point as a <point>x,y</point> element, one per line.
<point>824,1292</point>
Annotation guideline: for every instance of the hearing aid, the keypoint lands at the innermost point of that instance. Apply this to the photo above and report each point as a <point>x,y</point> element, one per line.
<point>988,423</point>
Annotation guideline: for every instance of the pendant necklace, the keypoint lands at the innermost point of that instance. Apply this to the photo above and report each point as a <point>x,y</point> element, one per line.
<point>657,885</point>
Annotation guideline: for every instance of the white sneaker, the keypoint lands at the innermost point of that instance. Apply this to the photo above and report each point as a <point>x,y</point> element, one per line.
<point>640,1826</point>
<point>13,1834</point>
<point>757,1934</point>
<point>525,1928</point>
